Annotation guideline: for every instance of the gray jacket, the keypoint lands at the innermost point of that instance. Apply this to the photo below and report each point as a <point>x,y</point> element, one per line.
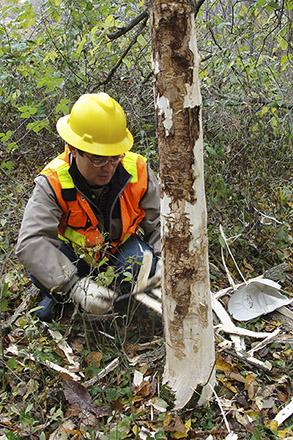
<point>38,246</point>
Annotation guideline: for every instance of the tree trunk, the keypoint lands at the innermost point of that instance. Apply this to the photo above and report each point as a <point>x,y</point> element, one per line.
<point>186,291</point>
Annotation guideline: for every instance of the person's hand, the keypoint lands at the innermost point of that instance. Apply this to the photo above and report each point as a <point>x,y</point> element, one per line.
<point>91,297</point>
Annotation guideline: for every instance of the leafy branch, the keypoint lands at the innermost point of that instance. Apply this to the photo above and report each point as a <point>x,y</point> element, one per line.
<point>124,54</point>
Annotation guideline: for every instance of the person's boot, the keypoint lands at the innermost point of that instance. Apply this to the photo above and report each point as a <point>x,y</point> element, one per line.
<point>49,307</point>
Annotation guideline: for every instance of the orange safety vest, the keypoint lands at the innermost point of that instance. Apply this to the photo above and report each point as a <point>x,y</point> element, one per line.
<point>79,225</point>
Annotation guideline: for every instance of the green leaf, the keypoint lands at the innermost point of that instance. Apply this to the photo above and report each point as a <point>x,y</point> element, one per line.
<point>81,45</point>
<point>141,40</point>
<point>127,63</point>
<point>37,126</point>
<point>7,165</point>
<point>10,435</point>
<point>27,111</point>
<point>211,151</point>
<point>50,82</point>
<point>109,22</point>
<point>283,43</point>
<point>4,305</point>
<point>11,363</point>
<point>62,107</point>
<point>4,137</point>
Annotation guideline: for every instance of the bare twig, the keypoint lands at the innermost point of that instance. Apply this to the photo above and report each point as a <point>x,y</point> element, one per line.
<point>119,62</point>
<point>131,25</point>
<point>221,408</point>
<point>230,253</point>
<point>197,6</point>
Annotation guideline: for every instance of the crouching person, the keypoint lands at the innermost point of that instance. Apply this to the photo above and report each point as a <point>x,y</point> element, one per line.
<point>95,205</point>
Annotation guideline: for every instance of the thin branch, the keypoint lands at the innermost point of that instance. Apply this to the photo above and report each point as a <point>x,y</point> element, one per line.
<point>197,6</point>
<point>119,62</point>
<point>131,25</point>
<point>67,60</point>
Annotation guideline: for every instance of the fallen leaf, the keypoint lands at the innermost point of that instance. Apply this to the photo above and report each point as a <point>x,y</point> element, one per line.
<point>249,385</point>
<point>173,423</point>
<point>187,426</point>
<point>76,394</point>
<point>94,359</point>
<point>222,365</point>
<point>227,384</point>
<point>236,376</point>
<point>31,388</point>
<point>78,345</point>
<point>144,390</point>
<point>64,431</point>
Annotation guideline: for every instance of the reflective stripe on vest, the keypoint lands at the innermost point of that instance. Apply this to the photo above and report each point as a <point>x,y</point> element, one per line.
<point>79,225</point>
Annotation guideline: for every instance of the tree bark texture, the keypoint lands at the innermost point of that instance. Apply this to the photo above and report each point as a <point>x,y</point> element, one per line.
<point>186,291</point>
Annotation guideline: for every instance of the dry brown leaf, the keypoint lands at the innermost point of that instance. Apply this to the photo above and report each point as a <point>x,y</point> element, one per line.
<point>282,396</point>
<point>65,377</point>
<point>72,411</point>
<point>144,390</point>
<point>227,384</point>
<point>250,385</point>
<point>64,431</point>
<point>77,394</point>
<point>173,423</point>
<point>77,345</point>
<point>222,365</point>
<point>131,350</point>
<point>94,359</point>
<point>236,376</point>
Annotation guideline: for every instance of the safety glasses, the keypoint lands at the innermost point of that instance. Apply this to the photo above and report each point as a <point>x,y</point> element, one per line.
<point>101,161</point>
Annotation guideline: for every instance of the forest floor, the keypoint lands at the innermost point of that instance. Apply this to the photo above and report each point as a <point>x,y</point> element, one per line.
<point>102,378</point>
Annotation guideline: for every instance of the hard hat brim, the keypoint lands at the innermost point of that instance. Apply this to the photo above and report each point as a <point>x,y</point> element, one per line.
<point>101,149</point>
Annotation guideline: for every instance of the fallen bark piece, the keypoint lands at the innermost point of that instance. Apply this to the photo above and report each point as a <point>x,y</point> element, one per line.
<point>229,327</point>
<point>224,317</point>
<point>268,340</point>
<point>285,413</point>
<point>110,367</point>
<point>249,360</point>
<point>232,436</point>
<point>148,357</point>
<point>65,348</point>
<point>286,312</point>
<point>242,331</point>
<point>13,349</point>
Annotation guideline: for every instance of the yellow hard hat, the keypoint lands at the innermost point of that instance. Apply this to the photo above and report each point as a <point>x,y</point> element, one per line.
<point>96,125</point>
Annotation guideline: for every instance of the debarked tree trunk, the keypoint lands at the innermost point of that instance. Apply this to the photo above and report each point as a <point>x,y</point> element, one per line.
<point>186,291</point>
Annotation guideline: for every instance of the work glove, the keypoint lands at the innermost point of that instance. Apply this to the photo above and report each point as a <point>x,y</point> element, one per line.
<point>91,297</point>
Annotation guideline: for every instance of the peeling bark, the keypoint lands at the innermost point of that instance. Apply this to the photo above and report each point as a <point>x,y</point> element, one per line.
<point>186,292</point>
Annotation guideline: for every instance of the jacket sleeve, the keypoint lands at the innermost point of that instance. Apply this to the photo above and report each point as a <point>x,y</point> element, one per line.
<point>151,205</point>
<point>38,244</point>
